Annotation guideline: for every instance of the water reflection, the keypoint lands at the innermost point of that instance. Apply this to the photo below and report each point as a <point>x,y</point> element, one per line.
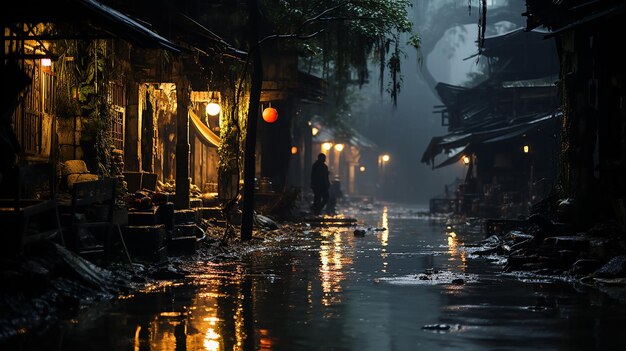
<point>219,316</point>
<point>456,249</point>
<point>327,297</point>
<point>333,260</point>
<point>384,238</point>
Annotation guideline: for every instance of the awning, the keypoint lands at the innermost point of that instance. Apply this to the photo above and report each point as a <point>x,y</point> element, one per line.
<point>548,81</point>
<point>126,27</point>
<point>453,156</point>
<point>351,137</point>
<point>489,134</point>
<point>611,11</point>
<point>205,134</point>
<point>89,19</point>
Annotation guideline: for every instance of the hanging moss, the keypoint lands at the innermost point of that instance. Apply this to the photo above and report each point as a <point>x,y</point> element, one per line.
<point>233,122</point>
<point>351,36</point>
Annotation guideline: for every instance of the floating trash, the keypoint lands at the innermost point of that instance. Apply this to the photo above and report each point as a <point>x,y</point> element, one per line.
<point>441,328</point>
<point>431,277</point>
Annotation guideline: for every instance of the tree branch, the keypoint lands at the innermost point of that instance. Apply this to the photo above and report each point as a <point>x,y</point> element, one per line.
<point>347,18</point>
<point>321,14</point>
<point>319,17</point>
<point>290,36</point>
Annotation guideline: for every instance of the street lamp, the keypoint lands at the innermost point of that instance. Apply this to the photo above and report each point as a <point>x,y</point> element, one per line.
<point>339,147</point>
<point>326,146</point>
<point>382,163</point>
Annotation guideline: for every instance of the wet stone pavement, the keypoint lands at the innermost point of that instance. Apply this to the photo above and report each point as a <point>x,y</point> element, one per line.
<point>412,286</point>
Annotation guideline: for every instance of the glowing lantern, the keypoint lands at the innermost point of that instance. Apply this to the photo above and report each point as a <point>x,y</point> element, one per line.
<point>294,150</point>
<point>270,115</point>
<point>327,146</point>
<point>212,109</point>
<point>314,131</point>
<point>466,160</point>
<point>339,147</point>
<point>362,168</point>
<point>386,158</point>
<point>526,149</point>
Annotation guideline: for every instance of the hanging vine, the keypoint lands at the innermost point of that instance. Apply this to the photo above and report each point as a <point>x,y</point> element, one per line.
<point>482,19</point>
<point>354,35</point>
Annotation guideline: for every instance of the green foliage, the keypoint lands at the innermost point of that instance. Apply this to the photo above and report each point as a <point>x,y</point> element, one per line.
<point>83,93</point>
<point>347,36</point>
<point>234,115</point>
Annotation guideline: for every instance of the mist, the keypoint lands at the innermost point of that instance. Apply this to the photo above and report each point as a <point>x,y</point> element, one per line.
<point>404,132</point>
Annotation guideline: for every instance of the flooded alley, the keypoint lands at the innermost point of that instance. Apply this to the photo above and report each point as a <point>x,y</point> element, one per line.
<point>312,175</point>
<point>406,284</point>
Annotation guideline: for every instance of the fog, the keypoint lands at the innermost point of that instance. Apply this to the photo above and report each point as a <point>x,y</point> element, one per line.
<point>405,132</point>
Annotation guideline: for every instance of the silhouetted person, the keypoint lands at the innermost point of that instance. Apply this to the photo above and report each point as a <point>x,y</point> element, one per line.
<point>335,194</point>
<point>319,184</point>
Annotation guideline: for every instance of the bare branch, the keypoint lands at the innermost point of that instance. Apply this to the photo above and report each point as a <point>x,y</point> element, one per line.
<point>321,14</point>
<point>290,36</point>
<point>347,18</point>
<point>319,17</point>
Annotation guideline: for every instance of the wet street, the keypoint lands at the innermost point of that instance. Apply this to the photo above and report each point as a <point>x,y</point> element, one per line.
<point>327,289</point>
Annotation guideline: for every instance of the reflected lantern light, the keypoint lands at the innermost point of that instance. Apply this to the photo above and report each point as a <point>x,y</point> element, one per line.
<point>270,115</point>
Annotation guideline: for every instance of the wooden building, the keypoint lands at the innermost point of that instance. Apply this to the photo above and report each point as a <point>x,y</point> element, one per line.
<point>505,128</point>
<point>593,84</point>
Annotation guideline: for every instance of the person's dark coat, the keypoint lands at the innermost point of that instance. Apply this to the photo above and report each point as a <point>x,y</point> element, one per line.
<point>319,176</point>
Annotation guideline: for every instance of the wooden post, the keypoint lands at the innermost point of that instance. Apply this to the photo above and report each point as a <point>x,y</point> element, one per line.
<point>182,143</point>
<point>249,165</point>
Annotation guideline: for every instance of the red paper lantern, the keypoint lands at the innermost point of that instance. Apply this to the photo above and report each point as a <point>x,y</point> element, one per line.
<point>270,115</point>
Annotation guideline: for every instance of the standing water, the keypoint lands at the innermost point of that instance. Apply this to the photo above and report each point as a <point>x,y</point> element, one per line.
<point>409,285</point>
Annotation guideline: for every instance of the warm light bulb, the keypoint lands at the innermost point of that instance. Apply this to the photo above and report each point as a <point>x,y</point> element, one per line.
<point>46,62</point>
<point>466,160</point>
<point>327,146</point>
<point>526,149</point>
<point>362,168</point>
<point>294,150</point>
<point>385,158</point>
<point>213,109</point>
<point>314,131</point>
<point>339,147</point>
